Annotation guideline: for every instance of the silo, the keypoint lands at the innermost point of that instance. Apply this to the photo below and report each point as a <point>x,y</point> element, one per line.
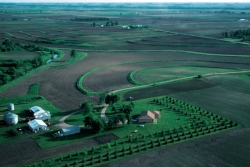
<point>11,107</point>
<point>10,118</point>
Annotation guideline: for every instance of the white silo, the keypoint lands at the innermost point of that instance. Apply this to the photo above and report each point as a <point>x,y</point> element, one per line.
<point>10,118</point>
<point>11,107</point>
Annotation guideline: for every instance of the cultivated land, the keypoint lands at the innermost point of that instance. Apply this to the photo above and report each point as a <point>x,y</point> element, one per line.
<point>178,63</point>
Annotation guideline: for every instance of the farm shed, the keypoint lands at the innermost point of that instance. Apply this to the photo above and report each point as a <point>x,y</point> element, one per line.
<point>36,109</point>
<point>42,115</point>
<point>37,125</point>
<point>146,117</point>
<point>70,130</point>
<point>10,118</point>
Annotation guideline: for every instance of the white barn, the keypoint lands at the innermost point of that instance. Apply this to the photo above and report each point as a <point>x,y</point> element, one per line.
<point>37,125</point>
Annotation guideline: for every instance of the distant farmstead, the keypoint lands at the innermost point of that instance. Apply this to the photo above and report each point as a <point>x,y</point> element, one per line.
<point>243,20</point>
<point>148,116</point>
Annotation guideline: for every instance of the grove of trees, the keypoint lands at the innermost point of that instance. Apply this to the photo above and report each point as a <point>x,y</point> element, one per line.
<point>243,34</point>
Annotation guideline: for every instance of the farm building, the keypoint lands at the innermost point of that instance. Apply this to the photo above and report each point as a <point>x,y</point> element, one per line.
<point>42,115</point>
<point>10,118</point>
<point>37,125</point>
<point>36,109</point>
<point>243,20</point>
<point>70,130</point>
<point>148,116</point>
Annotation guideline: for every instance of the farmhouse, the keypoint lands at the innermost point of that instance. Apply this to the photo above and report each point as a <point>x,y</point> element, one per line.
<point>148,116</point>
<point>37,125</point>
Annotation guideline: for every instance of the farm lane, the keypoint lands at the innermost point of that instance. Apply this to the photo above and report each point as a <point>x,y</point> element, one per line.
<point>61,123</point>
<point>103,115</point>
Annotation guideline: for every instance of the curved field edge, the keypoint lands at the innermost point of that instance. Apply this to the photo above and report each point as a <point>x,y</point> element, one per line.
<point>131,76</point>
<point>79,82</point>
<point>11,83</point>
<point>72,60</point>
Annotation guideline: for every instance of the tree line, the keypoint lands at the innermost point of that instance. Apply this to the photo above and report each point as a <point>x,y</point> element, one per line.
<point>243,34</point>
<point>90,19</point>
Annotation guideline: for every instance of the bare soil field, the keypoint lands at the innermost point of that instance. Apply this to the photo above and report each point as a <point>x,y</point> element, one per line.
<point>27,151</point>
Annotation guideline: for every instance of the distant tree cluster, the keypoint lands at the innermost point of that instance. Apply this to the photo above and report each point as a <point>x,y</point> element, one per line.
<point>73,53</point>
<point>243,34</point>
<point>111,23</point>
<point>8,45</point>
<point>90,19</point>
<point>224,11</point>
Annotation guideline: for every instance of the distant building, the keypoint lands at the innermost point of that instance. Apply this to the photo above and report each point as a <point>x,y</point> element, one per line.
<point>37,125</point>
<point>148,116</point>
<point>243,20</point>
